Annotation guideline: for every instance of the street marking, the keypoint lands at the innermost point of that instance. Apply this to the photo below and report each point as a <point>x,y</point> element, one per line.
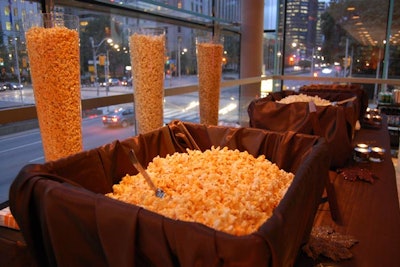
<point>19,135</point>
<point>17,147</point>
<point>36,159</point>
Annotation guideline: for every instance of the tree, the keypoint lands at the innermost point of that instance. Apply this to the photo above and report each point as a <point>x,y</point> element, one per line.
<point>96,28</point>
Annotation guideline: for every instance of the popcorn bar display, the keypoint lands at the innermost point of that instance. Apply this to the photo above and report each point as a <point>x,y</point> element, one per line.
<point>209,65</point>
<point>221,185</point>
<point>55,70</point>
<point>227,190</point>
<point>147,58</point>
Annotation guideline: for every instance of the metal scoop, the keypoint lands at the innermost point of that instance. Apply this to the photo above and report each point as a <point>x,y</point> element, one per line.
<point>159,192</point>
<point>336,103</point>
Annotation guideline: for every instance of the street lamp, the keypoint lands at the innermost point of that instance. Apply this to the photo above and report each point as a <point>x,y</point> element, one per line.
<point>312,59</point>
<point>94,51</point>
<point>179,56</point>
<point>184,50</point>
<point>107,64</point>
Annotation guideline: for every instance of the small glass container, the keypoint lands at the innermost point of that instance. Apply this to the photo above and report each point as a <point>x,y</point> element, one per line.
<point>377,154</point>
<point>374,111</point>
<point>377,118</point>
<point>361,154</point>
<point>362,145</point>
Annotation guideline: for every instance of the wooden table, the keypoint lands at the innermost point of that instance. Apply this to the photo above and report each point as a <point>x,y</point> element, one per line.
<point>369,212</point>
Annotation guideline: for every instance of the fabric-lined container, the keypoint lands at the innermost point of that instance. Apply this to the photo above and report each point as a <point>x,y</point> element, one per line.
<point>337,92</point>
<point>335,123</point>
<point>66,219</point>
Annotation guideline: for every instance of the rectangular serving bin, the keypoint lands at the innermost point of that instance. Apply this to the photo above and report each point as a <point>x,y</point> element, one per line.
<point>67,221</point>
<point>335,123</point>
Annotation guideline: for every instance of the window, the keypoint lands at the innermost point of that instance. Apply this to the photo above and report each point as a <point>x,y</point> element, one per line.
<point>7,10</point>
<point>180,70</point>
<point>8,26</point>
<point>338,39</point>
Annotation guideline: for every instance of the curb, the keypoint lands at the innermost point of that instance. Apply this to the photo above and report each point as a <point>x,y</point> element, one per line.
<point>16,127</point>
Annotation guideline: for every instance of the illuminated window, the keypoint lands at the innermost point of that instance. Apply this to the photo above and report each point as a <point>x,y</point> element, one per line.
<point>8,26</point>
<point>7,10</point>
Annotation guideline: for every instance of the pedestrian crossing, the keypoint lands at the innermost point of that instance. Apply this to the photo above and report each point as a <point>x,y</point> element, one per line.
<point>176,114</point>
<point>192,115</point>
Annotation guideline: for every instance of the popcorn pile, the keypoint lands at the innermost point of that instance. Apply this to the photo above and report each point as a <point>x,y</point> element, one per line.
<point>318,101</point>
<point>228,190</point>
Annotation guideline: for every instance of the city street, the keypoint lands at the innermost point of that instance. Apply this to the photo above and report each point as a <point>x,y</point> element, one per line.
<point>19,149</point>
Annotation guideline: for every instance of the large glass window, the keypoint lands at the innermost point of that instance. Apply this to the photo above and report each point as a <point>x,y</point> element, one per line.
<point>340,39</point>
<point>104,36</point>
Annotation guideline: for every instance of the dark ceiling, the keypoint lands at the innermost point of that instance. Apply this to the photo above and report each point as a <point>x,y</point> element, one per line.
<point>366,20</point>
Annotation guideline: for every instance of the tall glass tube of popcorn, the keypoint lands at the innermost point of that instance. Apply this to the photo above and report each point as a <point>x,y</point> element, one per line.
<point>52,41</point>
<point>209,66</point>
<point>147,51</point>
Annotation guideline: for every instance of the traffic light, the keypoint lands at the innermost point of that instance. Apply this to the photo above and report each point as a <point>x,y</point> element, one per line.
<point>24,62</point>
<point>102,60</point>
<point>291,60</point>
<point>347,61</point>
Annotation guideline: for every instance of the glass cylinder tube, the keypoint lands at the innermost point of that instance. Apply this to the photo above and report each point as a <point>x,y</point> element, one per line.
<point>209,67</point>
<point>147,51</point>
<point>52,42</point>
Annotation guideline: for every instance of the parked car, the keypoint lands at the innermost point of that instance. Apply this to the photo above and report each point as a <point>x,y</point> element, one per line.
<point>102,82</point>
<point>122,117</point>
<point>114,82</point>
<point>111,82</point>
<point>12,86</point>
<point>127,82</point>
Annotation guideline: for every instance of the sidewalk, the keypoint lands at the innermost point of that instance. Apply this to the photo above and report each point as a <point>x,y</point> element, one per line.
<point>10,104</point>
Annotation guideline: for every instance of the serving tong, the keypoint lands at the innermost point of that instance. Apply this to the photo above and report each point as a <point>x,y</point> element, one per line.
<point>159,192</point>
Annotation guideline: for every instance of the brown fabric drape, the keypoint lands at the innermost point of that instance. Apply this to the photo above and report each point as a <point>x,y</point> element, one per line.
<point>337,92</point>
<point>67,221</point>
<point>335,123</point>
